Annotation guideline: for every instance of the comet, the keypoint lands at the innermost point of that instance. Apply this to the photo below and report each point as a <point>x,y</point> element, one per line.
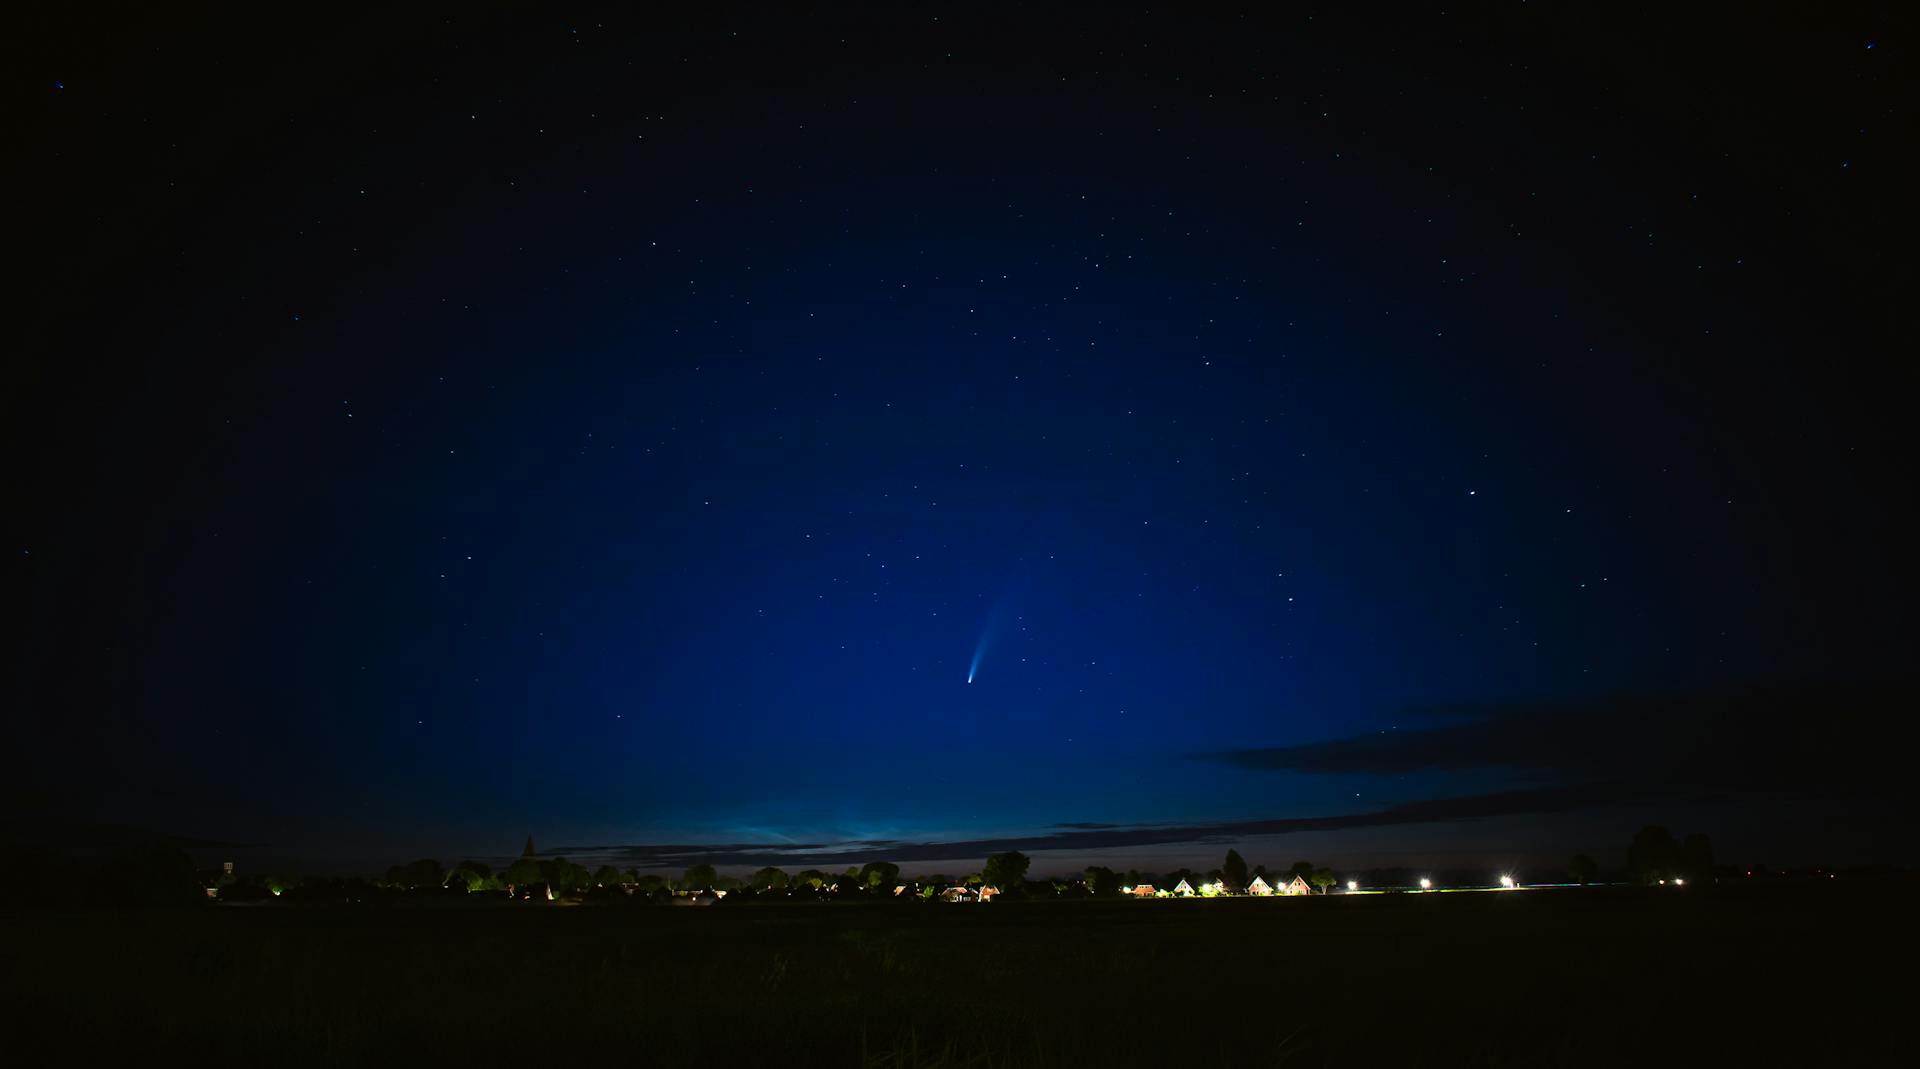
<point>997,616</point>
<point>980,650</point>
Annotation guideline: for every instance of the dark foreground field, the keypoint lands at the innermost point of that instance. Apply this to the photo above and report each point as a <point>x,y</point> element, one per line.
<point>1778,975</point>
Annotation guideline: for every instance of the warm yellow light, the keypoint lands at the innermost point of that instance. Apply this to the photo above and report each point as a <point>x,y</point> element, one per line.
<point>1678,882</point>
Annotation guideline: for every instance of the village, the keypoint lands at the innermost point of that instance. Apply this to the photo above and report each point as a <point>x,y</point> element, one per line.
<point>1259,888</point>
<point>1657,858</point>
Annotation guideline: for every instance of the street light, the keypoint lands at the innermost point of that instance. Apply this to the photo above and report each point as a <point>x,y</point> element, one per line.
<point>1507,882</point>
<point>1426,884</point>
<point>1353,885</point>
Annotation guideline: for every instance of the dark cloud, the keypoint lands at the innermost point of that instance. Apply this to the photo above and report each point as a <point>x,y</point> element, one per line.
<point>1503,803</point>
<point>1753,744</point>
<point>1754,737</point>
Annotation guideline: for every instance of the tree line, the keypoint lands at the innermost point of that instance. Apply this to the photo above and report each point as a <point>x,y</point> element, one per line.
<point>1655,856</point>
<point>1006,872</point>
<point>149,871</point>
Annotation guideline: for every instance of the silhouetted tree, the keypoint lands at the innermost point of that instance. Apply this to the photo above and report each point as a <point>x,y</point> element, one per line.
<point>1696,857</point>
<point>878,876</point>
<point>1322,878</point>
<point>1234,870</point>
<point>469,876</point>
<point>126,874</point>
<point>607,876</point>
<point>565,877</point>
<point>1302,869</point>
<point>415,875</point>
<point>1583,869</point>
<point>768,878</point>
<point>1102,882</point>
<point>524,872</point>
<point>698,878</point>
<point>1172,879</point>
<point>1006,871</point>
<point>1654,854</point>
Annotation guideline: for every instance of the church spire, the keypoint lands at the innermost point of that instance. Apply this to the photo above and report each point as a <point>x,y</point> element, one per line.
<point>528,852</point>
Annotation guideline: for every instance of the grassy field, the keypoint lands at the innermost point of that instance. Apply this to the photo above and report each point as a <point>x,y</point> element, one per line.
<point>1775,975</point>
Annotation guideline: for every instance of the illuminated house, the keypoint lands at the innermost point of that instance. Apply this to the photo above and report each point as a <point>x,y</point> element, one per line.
<point>1259,887</point>
<point>1144,890</point>
<point>958,894</point>
<point>1183,889</point>
<point>1295,886</point>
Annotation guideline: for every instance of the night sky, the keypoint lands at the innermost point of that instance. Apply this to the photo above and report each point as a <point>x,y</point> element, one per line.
<point>910,432</point>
